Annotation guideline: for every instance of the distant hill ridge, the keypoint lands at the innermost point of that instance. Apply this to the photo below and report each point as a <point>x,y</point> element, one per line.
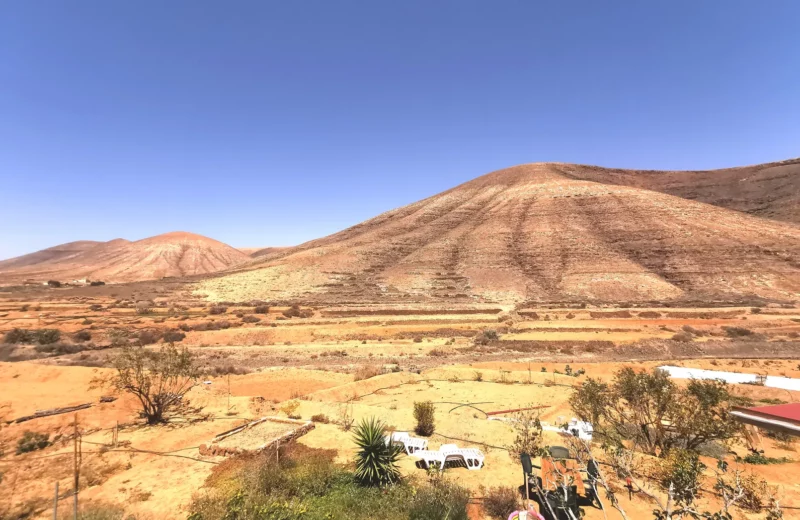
<point>171,254</point>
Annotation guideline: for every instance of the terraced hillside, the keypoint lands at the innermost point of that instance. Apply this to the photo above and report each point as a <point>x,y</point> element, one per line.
<point>536,232</point>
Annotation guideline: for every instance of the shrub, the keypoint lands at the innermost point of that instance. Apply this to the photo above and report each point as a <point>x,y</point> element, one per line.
<point>477,376</point>
<point>366,372</point>
<point>529,434</point>
<point>59,348</point>
<point>217,309</point>
<point>442,500</point>
<point>251,319</point>
<point>760,459</point>
<point>53,283</point>
<point>424,414</point>
<point>95,307</point>
<point>17,335</point>
<point>82,335</point>
<point>261,309</point>
<point>173,336</point>
<point>289,407</point>
<point>32,441</point>
<point>296,312</point>
<point>24,308</point>
<point>46,336</point>
<point>681,470</point>
<point>486,336</point>
<point>320,418</point>
<point>499,502</point>
<point>144,307</point>
<point>148,337</point>
<point>682,337</point>
<point>755,310</point>
<point>737,332</point>
<point>96,283</point>
<point>376,461</point>
<point>417,339</point>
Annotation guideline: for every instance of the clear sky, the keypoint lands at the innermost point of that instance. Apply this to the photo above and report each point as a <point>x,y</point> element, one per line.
<point>274,122</point>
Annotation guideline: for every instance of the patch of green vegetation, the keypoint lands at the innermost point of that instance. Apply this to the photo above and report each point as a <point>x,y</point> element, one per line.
<point>305,483</point>
<point>760,459</point>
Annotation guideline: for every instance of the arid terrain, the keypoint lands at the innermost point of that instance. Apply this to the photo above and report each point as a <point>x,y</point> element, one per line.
<point>256,360</point>
<point>509,290</point>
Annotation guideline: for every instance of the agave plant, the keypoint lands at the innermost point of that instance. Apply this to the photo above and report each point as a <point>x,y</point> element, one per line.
<point>376,462</point>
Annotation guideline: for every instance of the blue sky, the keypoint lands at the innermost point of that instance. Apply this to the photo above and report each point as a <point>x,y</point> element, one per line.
<point>271,123</point>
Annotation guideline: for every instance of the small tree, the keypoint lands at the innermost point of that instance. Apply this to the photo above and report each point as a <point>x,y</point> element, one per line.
<point>655,414</point>
<point>424,414</point>
<point>376,460</point>
<point>529,436</point>
<point>159,379</point>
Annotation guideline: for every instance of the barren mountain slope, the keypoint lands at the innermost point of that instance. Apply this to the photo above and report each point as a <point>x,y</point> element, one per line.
<point>51,254</point>
<point>535,232</point>
<point>768,190</point>
<point>170,254</point>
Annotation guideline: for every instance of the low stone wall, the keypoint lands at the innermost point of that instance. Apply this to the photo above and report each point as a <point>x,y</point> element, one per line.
<point>213,448</point>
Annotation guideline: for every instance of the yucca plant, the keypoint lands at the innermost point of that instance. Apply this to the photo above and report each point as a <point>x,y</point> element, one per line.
<point>376,462</point>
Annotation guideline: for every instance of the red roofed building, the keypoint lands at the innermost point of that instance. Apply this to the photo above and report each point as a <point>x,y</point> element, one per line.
<point>779,418</point>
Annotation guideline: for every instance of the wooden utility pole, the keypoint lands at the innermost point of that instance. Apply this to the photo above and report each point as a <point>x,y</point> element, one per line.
<point>55,503</point>
<point>76,459</point>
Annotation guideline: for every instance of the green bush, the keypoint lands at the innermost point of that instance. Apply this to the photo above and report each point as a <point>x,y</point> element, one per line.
<point>500,502</point>
<point>376,461</point>
<point>32,441</point>
<point>424,414</point>
<point>305,484</point>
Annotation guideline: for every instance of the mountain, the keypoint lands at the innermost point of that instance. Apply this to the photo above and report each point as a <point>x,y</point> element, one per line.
<point>767,190</point>
<point>170,254</point>
<point>53,254</point>
<point>548,232</point>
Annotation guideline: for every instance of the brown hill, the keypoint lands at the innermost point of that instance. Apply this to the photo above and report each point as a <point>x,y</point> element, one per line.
<point>536,231</point>
<point>53,254</point>
<point>170,254</point>
<point>767,190</point>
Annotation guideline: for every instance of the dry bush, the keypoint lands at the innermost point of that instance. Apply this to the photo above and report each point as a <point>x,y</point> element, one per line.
<point>366,372</point>
<point>250,319</point>
<point>224,370</point>
<point>261,309</point>
<point>144,307</point>
<point>148,337</point>
<point>296,312</point>
<point>499,502</point>
<point>529,434</point>
<point>737,332</point>
<point>682,337</point>
<point>320,418</point>
<point>437,352</point>
<point>217,309</point>
<point>173,336</point>
<point>290,407</point>
<point>83,335</point>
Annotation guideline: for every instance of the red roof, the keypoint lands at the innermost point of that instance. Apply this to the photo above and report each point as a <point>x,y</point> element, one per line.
<point>789,411</point>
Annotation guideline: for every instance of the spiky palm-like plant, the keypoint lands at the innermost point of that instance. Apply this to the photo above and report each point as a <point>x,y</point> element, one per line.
<point>376,462</point>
